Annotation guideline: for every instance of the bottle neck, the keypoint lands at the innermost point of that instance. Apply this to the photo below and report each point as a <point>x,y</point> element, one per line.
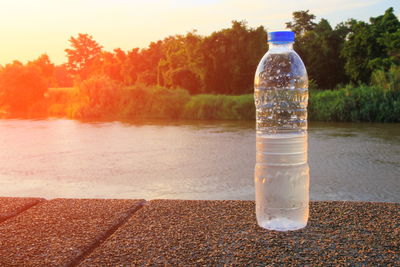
<point>276,47</point>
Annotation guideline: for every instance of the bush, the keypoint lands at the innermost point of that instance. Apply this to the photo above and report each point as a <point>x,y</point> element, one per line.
<point>100,98</point>
<point>363,103</point>
<point>166,103</point>
<point>134,102</point>
<point>221,107</point>
<point>388,81</point>
<point>63,102</point>
<point>155,102</point>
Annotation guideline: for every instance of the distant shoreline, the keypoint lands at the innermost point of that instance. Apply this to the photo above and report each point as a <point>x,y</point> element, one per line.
<point>140,103</point>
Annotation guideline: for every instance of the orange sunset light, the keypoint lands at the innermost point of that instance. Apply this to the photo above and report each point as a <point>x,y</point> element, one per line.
<point>97,59</point>
<point>30,28</point>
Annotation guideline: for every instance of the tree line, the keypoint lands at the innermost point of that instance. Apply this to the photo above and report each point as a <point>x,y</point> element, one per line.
<point>222,63</point>
<point>225,61</point>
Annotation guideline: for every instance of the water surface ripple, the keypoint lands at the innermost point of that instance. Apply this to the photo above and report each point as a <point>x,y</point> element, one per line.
<point>187,160</point>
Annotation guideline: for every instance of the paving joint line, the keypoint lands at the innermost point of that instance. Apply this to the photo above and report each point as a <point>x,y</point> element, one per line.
<point>130,213</point>
<point>23,209</point>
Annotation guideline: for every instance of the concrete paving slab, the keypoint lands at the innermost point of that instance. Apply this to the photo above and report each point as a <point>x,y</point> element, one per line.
<point>61,231</point>
<point>11,206</point>
<point>177,232</point>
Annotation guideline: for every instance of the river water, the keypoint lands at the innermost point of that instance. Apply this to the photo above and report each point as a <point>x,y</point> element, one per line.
<point>187,160</point>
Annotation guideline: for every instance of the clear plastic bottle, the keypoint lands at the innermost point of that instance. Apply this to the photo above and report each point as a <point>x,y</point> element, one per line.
<point>281,172</point>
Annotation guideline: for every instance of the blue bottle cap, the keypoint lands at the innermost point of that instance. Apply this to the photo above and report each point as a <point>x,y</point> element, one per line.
<point>280,37</point>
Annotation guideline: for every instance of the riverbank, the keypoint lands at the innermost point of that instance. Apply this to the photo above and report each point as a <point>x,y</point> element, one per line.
<point>347,104</point>
<point>105,232</point>
<point>102,99</point>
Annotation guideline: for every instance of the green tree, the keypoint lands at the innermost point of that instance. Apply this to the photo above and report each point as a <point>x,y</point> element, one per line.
<point>319,47</point>
<point>131,66</point>
<point>83,53</point>
<point>45,67</point>
<point>148,65</point>
<point>320,50</point>
<point>21,88</point>
<point>230,57</point>
<point>110,64</point>
<point>371,46</point>
<point>391,42</point>
<point>302,22</point>
<point>62,76</point>
<point>181,65</point>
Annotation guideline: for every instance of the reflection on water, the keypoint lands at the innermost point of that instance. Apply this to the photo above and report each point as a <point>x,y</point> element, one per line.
<point>188,160</point>
<point>355,161</point>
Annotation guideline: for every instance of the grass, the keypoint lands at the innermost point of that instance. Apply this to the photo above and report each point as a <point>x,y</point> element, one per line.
<point>103,99</point>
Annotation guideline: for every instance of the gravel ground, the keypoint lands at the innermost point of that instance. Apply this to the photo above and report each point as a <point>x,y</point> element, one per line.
<point>11,206</point>
<point>178,232</point>
<point>61,231</point>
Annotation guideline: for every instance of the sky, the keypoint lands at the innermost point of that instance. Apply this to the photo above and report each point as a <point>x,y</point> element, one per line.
<point>29,28</point>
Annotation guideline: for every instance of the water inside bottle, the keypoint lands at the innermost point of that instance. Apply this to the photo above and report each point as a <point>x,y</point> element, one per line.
<point>282,181</point>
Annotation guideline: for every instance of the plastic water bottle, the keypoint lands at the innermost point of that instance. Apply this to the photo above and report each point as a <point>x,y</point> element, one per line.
<point>281,171</point>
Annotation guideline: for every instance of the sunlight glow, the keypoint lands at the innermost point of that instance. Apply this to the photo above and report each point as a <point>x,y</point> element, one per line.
<point>30,28</point>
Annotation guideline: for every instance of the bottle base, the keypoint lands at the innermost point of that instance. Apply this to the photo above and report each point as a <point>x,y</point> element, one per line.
<point>283,219</point>
<point>282,224</point>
